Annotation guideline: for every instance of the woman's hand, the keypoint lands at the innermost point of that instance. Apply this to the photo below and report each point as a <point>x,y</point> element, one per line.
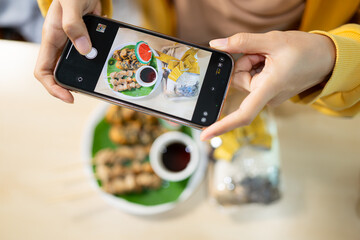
<point>275,67</point>
<point>64,19</point>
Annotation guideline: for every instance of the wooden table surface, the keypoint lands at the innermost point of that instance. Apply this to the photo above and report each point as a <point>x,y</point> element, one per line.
<point>45,193</point>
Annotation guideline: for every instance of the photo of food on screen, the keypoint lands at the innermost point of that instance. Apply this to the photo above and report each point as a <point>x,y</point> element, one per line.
<point>150,71</point>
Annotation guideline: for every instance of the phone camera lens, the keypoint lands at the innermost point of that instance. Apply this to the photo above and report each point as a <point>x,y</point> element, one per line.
<point>80,79</point>
<point>221,59</point>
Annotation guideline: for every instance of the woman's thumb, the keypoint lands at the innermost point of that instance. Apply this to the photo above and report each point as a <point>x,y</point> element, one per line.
<point>75,28</point>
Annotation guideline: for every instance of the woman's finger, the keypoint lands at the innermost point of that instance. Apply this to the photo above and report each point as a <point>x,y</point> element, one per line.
<point>248,43</point>
<point>53,40</point>
<point>74,26</point>
<point>244,115</point>
<point>242,71</point>
<point>97,10</point>
<point>248,62</point>
<point>242,80</point>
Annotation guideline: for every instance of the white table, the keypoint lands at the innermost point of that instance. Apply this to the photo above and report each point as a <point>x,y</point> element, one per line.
<point>45,194</point>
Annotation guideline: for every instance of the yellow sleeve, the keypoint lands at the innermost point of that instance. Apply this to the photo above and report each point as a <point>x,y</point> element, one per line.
<point>341,94</point>
<point>159,15</point>
<point>106,6</point>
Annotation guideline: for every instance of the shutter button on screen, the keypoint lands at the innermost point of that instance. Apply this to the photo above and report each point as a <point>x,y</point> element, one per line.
<point>92,54</point>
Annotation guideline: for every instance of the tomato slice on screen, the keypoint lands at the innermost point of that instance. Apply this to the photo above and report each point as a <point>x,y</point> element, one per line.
<point>143,52</point>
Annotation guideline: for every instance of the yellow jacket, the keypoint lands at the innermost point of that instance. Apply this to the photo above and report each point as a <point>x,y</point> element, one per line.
<point>341,94</point>
<point>106,6</point>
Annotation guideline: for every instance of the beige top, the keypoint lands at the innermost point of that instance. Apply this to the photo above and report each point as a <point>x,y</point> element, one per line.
<point>202,20</point>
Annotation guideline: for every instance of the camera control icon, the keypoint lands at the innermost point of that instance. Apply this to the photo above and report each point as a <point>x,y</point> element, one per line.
<point>92,54</point>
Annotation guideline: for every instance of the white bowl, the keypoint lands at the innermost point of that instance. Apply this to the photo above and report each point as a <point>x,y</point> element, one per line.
<point>122,204</point>
<point>156,156</point>
<point>141,82</point>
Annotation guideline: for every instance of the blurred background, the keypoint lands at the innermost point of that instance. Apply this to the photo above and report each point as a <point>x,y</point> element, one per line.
<point>295,174</point>
<point>22,20</point>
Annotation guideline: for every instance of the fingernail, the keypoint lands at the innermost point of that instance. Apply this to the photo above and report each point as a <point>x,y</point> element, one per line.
<point>206,138</point>
<point>219,43</point>
<point>64,98</point>
<point>82,44</point>
<point>68,101</point>
<point>209,137</point>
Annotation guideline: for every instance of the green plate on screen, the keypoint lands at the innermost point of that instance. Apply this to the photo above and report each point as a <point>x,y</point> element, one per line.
<point>148,202</point>
<point>138,92</point>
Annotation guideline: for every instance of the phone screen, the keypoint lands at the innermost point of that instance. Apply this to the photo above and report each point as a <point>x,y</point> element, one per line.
<point>153,72</point>
<point>148,70</point>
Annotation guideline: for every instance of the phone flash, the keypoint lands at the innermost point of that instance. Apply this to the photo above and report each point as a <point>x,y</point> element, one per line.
<point>101,28</point>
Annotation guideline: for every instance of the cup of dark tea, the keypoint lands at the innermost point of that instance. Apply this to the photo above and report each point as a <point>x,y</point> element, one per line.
<point>174,156</point>
<point>146,76</point>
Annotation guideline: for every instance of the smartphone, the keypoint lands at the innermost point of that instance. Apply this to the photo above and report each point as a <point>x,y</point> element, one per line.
<point>148,72</point>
